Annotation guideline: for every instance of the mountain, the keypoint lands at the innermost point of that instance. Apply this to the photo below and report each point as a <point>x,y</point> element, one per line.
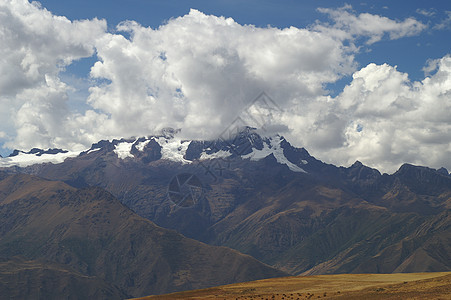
<point>266,198</point>
<point>20,158</point>
<point>75,243</point>
<point>34,279</point>
<point>38,152</point>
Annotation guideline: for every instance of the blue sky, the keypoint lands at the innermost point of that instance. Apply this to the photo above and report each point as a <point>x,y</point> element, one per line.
<point>368,81</point>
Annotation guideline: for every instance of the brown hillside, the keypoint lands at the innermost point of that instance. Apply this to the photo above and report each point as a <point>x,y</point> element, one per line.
<point>93,234</point>
<point>330,220</point>
<point>345,286</point>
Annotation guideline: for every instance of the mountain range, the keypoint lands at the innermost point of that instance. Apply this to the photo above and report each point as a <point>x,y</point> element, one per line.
<point>256,194</point>
<point>54,236</point>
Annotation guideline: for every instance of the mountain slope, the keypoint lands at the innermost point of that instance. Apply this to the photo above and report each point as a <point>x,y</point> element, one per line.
<point>25,279</point>
<point>266,198</point>
<point>93,234</point>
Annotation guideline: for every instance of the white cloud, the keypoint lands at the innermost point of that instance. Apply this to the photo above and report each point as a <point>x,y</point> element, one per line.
<point>431,66</point>
<point>198,72</point>
<point>400,121</point>
<point>426,12</point>
<point>445,24</point>
<point>34,47</point>
<point>373,27</point>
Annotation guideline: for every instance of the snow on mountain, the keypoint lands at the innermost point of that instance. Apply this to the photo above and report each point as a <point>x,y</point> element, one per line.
<point>93,150</point>
<point>173,149</point>
<point>272,146</point>
<point>141,145</point>
<point>247,145</point>
<point>22,159</point>
<point>214,155</point>
<point>123,150</point>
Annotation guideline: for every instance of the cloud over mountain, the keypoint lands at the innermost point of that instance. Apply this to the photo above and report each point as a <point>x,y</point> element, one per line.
<point>198,72</point>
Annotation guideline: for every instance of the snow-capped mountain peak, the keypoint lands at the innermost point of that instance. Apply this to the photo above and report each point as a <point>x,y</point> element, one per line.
<point>245,144</point>
<point>36,156</point>
<point>272,145</point>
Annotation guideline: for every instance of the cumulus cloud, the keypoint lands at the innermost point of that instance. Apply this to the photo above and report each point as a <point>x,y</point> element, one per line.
<point>393,120</point>
<point>198,72</point>
<point>35,46</point>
